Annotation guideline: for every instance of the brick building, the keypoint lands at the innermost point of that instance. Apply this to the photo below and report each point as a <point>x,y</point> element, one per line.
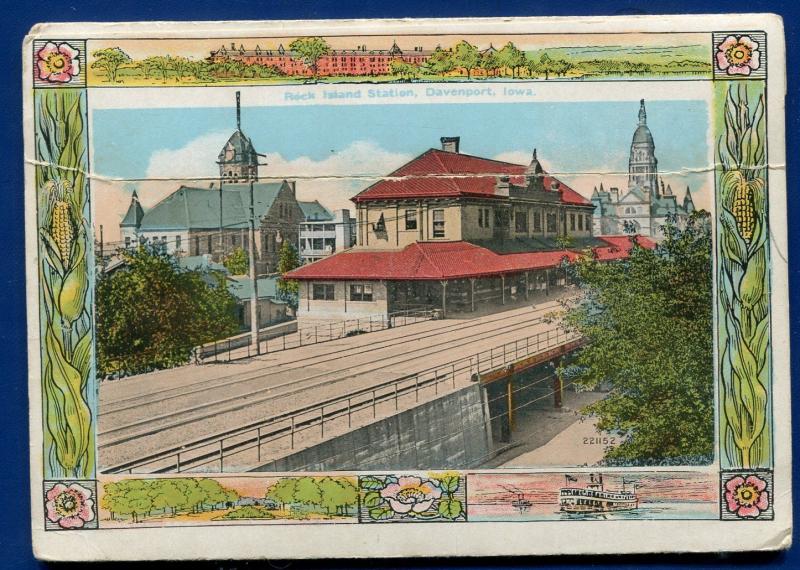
<point>452,231</point>
<point>360,61</point>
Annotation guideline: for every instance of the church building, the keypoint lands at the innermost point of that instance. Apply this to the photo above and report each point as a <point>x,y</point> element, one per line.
<point>214,219</point>
<point>644,207</point>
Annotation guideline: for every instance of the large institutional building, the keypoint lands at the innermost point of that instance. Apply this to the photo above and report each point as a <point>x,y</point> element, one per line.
<point>451,231</point>
<point>359,61</point>
<point>214,220</point>
<point>647,203</point>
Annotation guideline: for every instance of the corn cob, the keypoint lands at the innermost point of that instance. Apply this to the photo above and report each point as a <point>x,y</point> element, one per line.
<point>61,229</point>
<point>743,210</point>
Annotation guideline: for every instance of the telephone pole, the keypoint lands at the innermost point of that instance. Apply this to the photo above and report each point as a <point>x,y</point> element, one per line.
<point>253,276</point>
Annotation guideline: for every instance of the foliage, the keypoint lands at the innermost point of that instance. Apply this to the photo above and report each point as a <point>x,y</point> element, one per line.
<point>248,512</point>
<point>336,495</point>
<point>491,62</point>
<point>512,58</point>
<point>466,56</point>
<point>439,62</point>
<point>65,287</point>
<point>288,259</point>
<point>151,314</point>
<point>403,69</point>
<point>109,60</point>
<point>744,282</point>
<point>137,498</point>
<point>160,63</point>
<point>648,323</point>
<point>387,497</point>
<point>237,262</point>
<point>311,50</point>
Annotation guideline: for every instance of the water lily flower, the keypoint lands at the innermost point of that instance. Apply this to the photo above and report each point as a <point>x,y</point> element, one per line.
<point>411,494</point>
<point>70,507</point>
<point>58,63</point>
<point>738,56</point>
<point>746,498</point>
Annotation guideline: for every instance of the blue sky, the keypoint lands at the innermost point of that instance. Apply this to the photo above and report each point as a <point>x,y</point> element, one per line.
<point>571,137</point>
<point>334,151</point>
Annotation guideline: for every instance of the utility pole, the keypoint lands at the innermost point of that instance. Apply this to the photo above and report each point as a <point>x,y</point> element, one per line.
<point>101,243</point>
<point>253,276</point>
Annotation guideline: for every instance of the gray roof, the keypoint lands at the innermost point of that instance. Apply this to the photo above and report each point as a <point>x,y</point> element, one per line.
<point>200,263</point>
<point>134,215</point>
<point>315,212</point>
<point>239,148</point>
<point>192,208</point>
<point>643,135</point>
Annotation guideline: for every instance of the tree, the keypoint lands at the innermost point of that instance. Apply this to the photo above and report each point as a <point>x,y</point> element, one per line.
<point>180,65</point>
<point>403,69</point>
<point>561,67</point>
<point>282,492</point>
<point>511,58</point>
<point>338,495</point>
<point>490,61</point>
<point>545,65</point>
<point>288,259</point>
<point>109,60</point>
<point>440,61</point>
<point>467,57</point>
<point>310,50</point>
<point>160,63</point>
<point>166,494</point>
<point>237,262</point>
<point>648,323</point>
<point>307,491</point>
<point>150,314</point>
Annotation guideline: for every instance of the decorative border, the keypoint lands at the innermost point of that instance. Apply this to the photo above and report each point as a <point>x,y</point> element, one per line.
<point>66,300</point>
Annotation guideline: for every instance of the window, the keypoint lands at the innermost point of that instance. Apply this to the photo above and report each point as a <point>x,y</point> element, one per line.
<point>330,227</point>
<point>572,222</point>
<point>177,243</point>
<point>537,221</point>
<point>127,242</point>
<point>234,240</point>
<point>580,222</point>
<point>438,223</point>
<point>246,241</point>
<point>483,217</point>
<point>361,292</point>
<point>411,219</point>
<point>317,243</point>
<point>521,221</point>
<point>588,222</point>
<point>209,244</point>
<point>322,292</point>
<point>197,245</point>
<point>380,225</point>
<point>552,222</point>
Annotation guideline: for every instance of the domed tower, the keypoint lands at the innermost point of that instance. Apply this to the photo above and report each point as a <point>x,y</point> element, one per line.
<point>534,175</point>
<point>238,159</point>
<point>643,164</point>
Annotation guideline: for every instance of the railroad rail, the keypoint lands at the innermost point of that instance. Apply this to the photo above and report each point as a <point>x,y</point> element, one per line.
<point>488,365</point>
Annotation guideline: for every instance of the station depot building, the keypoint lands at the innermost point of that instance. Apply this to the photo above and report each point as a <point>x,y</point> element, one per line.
<point>458,234</point>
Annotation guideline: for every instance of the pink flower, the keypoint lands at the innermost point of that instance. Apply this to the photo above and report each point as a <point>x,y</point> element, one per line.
<point>411,494</point>
<point>738,56</point>
<point>70,507</point>
<point>746,497</point>
<point>57,63</point>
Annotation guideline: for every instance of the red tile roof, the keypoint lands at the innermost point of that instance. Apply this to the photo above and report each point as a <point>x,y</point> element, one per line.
<point>440,174</point>
<point>620,247</point>
<point>444,260</point>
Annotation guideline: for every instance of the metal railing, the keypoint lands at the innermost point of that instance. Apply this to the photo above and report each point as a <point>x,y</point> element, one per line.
<point>240,347</point>
<point>215,449</point>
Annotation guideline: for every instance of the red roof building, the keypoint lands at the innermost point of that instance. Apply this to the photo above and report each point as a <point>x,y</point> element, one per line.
<point>447,230</point>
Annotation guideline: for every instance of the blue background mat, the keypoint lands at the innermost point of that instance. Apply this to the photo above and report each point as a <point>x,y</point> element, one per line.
<point>16,18</point>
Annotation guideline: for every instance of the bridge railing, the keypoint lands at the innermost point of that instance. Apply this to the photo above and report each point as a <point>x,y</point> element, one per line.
<point>241,347</point>
<point>308,425</point>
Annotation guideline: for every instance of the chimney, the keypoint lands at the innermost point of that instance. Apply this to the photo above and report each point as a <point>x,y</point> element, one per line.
<point>614,194</point>
<point>450,144</point>
<point>501,185</point>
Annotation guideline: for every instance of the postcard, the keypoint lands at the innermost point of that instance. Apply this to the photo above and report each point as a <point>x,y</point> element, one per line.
<point>411,288</point>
